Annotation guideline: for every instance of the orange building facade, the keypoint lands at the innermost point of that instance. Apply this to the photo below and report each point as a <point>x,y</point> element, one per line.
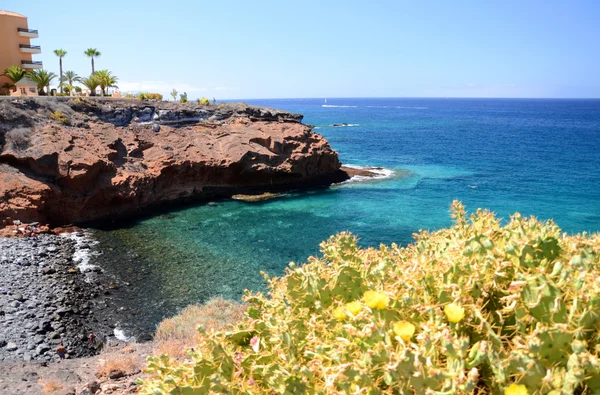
<point>15,44</point>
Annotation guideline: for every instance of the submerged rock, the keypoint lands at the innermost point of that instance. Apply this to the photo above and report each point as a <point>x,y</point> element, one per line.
<point>258,198</point>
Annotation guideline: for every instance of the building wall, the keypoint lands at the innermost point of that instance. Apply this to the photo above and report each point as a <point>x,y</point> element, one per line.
<point>10,53</point>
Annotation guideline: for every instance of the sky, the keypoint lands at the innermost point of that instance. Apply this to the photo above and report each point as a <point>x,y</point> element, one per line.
<point>328,48</point>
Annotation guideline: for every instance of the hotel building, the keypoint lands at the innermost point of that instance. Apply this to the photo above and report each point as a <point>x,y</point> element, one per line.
<point>16,48</point>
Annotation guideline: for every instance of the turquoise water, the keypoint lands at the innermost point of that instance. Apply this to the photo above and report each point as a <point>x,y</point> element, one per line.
<point>538,157</point>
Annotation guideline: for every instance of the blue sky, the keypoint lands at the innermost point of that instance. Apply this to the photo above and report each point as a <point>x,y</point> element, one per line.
<point>284,49</point>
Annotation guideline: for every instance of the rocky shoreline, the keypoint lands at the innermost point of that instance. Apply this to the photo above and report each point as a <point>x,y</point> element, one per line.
<point>74,160</point>
<point>46,298</point>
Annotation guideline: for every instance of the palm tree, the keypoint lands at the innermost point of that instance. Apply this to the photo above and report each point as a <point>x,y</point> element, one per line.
<point>7,87</point>
<point>106,80</point>
<point>91,83</point>
<point>70,77</point>
<point>14,73</point>
<point>174,94</point>
<point>42,78</point>
<point>61,53</point>
<point>92,53</point>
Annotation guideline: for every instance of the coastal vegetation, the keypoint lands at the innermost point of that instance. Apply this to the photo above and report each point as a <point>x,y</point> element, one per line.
<point>15,73</point>
<point>92,53</point>
<point>43,79</point>
<point>143,96</point>
<point>103,79</point>
<point>70,78</point>
<point>174,336</point>
<point>59,116</point>
<point>18,139</point>
<point>480,307</point>
<point>61,53</point>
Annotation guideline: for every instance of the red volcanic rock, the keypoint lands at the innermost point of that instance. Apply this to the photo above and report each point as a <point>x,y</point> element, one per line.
<point>107,160</point>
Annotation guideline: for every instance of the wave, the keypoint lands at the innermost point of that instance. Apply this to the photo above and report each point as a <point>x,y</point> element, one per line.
<point>83,253</point>
<point>345,125</point>
<point>381,173</point>
<point>120,334</point>
<point>335,106</point>
<point>413,108</point>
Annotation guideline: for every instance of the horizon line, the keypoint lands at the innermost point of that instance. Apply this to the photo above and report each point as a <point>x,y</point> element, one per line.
<point>419,97</point>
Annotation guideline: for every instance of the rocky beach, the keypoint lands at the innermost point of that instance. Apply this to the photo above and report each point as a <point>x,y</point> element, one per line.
<point>46,298</point>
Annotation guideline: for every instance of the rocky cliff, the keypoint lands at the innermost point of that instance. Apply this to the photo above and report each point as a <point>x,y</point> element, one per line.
<point>66,160</point>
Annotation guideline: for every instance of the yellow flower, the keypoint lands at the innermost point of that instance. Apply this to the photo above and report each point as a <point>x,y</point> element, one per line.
<point>376,300</point>
<point>354,307</point>
<point>454,312</point>
<point>404,330</point>
<point>339,313</point>
<point>516,389</point>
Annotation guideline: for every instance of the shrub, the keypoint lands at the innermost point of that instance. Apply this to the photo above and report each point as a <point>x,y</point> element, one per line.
<point>480,307</point>
<point>108,362</point>
<point>149,96</point>
<point>18,139</point>
<point>59,116</point>
<point>154,96</point>
<point>174,336</point>
<point>205,101</point>
<point>50,386</point>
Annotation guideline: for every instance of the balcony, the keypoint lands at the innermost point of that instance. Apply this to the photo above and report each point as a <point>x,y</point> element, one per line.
<point>30,64</point>
<point>30,48</point>
<point>27,32</point>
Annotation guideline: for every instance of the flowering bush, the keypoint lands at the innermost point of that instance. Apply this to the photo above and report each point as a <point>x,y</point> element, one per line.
<point>476,308</point>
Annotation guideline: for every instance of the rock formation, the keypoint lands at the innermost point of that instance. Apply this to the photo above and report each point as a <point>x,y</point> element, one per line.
<point>65,160</point>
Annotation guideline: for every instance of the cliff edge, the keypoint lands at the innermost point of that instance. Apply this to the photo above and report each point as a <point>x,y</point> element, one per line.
<point>71,160</point>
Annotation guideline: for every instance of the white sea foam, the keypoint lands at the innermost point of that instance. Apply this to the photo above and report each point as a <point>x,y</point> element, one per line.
<point>380,173</point>
<point>122,336</point>
<point>348,125</point>
<point>82,256</point>
<point>334,106</point>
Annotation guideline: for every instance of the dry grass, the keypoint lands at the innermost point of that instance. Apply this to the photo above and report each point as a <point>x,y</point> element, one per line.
<point>50,385</point>
<point>127,363</point>
<point>174,336</point>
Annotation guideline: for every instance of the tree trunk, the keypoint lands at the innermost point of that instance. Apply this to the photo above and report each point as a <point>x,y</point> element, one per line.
<point>61,75</point>
<point>93,65</point>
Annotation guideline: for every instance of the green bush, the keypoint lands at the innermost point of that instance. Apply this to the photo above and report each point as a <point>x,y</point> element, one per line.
<point>479,307</point>
<point>154,96</point>
<point>147,96</point>
<point>59,116</point>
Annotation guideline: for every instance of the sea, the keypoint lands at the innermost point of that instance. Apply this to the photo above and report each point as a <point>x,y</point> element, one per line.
<point>539,157</point>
